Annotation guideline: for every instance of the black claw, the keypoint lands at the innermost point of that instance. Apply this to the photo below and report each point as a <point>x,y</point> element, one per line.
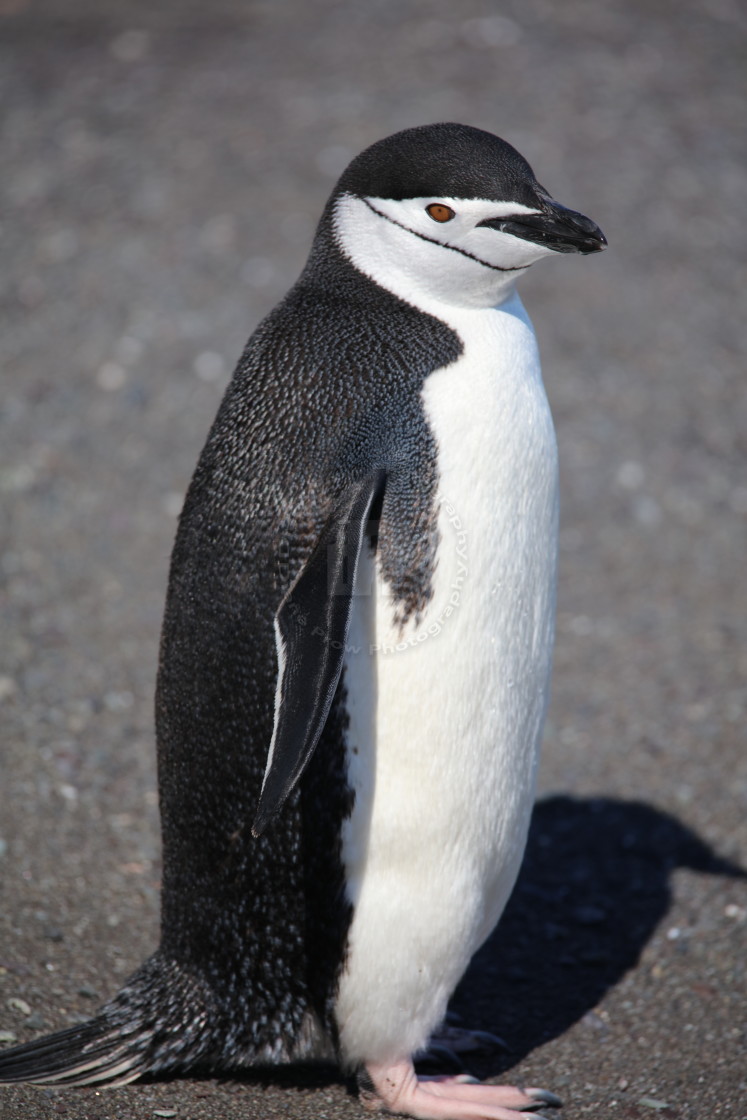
<point>543,1097</point>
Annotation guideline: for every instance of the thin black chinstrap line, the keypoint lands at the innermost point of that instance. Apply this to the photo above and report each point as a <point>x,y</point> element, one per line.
<point>442,244</point>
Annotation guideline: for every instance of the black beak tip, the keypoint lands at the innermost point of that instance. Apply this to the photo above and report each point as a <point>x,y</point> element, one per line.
<point>568,231</point>
<point>596,242</point>
<point>591,239</point>
<point>553,226</point>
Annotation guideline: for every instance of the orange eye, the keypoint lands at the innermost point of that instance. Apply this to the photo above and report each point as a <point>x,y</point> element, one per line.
<point>439,212</point>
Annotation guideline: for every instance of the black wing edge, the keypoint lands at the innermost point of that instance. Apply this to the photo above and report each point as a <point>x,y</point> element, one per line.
<point>311,629</point>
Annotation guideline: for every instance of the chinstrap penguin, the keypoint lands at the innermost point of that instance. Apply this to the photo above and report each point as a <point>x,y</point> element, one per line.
<point>356,649</point>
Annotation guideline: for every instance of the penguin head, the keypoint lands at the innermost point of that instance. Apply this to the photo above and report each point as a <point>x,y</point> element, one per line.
<point>450,213</point>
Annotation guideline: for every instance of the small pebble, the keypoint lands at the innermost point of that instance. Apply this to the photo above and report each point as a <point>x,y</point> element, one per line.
<point>35,1022</point>
<point>19,1005</point>
<point>209,366</point>
<point>630,475</point>
<point>118,701</point>
<point>110,377</point>
<point>8,1036</point>
<point>88,992</point>
<point>164,1112</point>
<point>8,688</point>
<point>130,46</point>
<point>651,1102</point>
<point>172,503</point>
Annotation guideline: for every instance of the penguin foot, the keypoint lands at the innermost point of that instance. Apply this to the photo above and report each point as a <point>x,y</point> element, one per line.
<point>395,1088</point>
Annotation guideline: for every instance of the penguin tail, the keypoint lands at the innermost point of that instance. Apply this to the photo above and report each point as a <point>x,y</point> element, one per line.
<point>157,1023</point>
<point>89,1054</point>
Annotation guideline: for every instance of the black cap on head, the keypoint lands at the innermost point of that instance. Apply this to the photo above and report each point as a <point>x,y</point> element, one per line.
<point>441,160</point>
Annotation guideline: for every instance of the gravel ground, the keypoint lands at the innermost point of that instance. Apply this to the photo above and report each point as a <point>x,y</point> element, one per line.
<point>163,168</point>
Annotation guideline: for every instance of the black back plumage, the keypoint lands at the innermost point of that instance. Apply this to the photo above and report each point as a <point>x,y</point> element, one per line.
<point>326,392</point>
<point>253,929</point>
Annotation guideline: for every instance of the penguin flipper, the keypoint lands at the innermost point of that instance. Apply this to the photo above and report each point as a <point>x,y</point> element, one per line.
<point>311,629</point>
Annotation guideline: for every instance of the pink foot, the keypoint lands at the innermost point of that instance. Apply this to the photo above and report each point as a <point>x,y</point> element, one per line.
<point>397,1089</point>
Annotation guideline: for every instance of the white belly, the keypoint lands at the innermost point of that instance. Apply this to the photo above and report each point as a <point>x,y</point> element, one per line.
<point>446,716</point>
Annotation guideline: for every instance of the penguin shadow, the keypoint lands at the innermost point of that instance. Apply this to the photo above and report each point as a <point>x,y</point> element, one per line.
<point>594,885</point>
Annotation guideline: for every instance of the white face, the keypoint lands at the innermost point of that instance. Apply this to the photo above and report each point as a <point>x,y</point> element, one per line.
<point>406,249</point>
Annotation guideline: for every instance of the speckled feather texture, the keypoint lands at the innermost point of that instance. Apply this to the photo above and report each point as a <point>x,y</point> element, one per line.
<point>268,917</point>
<point>327,389</point>
<point>402,353</point>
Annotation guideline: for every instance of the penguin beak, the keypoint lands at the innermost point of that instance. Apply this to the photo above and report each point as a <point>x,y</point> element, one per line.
<point>556,227</point>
